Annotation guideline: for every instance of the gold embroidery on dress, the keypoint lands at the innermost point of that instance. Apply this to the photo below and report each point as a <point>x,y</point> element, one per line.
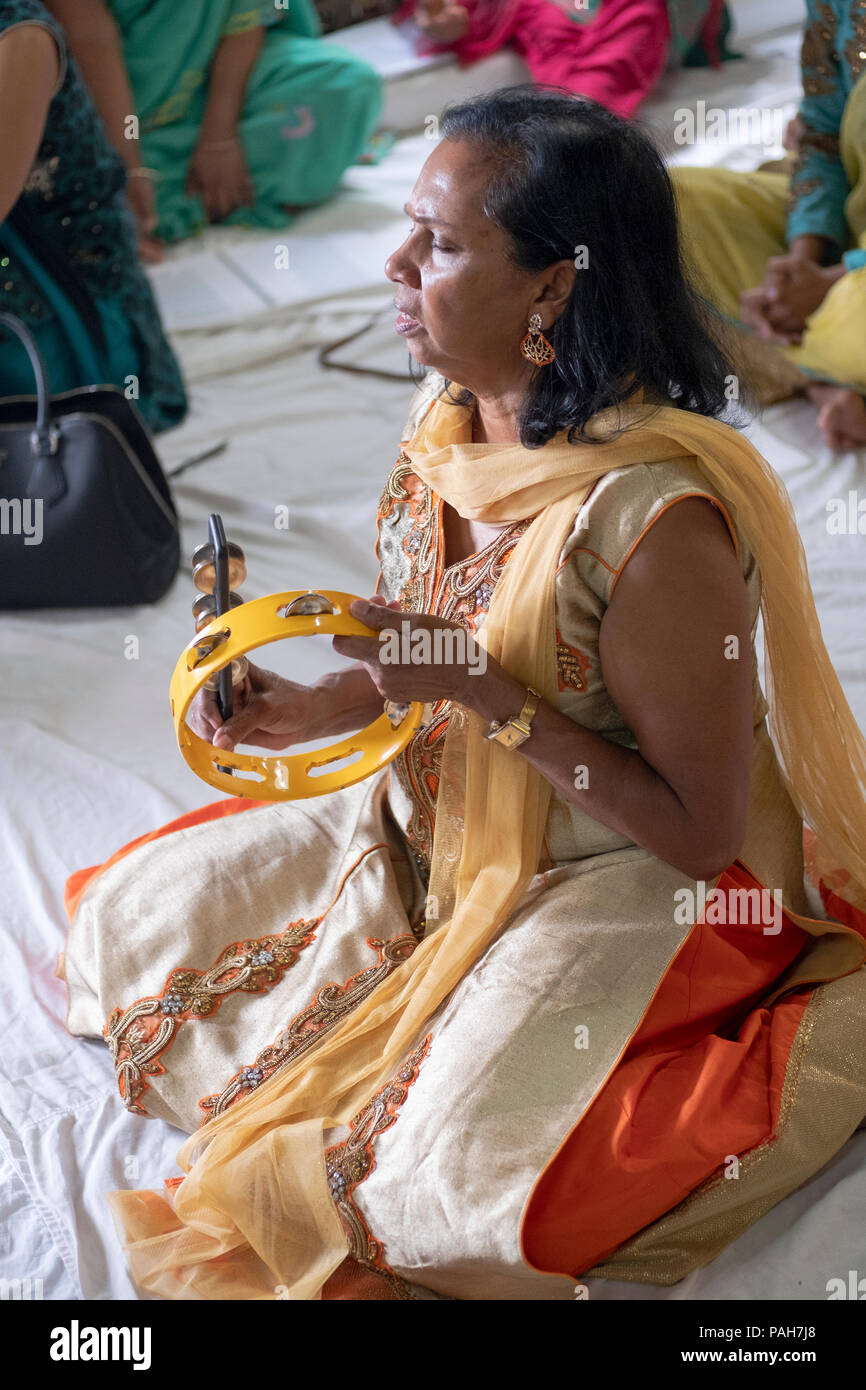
<point>811,141</point>
<point>393,490</point>
<point>138,1036</point>
<point>818,59</point>
<point>351,1161</point>
<point>330,1006</point>
<point>417,771</point>
<point>855,48</point>
<point>802,188</point>
<point>462,593</point>
<point>571,665</point>
<point>466,589</point>
<point>820,140</point>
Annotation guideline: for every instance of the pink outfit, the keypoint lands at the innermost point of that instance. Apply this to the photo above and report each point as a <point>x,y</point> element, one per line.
<point>616,57</point>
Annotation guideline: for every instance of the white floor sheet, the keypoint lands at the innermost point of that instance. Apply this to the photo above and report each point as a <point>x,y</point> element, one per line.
<point>87,756</point>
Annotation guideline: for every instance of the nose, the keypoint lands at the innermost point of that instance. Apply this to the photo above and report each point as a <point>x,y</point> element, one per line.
<point>401,269</point>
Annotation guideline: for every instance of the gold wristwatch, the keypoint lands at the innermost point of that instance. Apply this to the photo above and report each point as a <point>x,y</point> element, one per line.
<point>517,729</point>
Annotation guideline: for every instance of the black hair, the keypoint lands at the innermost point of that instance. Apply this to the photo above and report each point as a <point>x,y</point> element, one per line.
<point>565,174</point>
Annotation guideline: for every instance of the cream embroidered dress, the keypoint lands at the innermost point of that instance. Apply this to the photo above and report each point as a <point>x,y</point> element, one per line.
<point>206,984</point>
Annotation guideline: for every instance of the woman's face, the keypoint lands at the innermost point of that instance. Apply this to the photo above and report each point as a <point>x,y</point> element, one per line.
<point>464,305</point>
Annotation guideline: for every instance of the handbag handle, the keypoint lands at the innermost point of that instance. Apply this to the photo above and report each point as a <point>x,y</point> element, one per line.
<point>45,437</point>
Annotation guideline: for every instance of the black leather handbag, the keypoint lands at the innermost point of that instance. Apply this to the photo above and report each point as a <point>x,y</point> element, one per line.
<point>86,515</point>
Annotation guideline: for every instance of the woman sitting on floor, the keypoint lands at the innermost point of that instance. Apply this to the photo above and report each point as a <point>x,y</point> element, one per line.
<point>244,114</point>
<point>68,263</point>
<point>504,1014</point>
<point>786,258</point>
<point>614,51</point>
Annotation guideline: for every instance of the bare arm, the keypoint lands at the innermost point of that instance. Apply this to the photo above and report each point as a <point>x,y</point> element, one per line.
<point>218,171</point>
<point>230,72</point>
<point>29,69</point>
<point>683,793</point>
<point>94,41</point>
<point>95,44</point>
<point>810,248</point>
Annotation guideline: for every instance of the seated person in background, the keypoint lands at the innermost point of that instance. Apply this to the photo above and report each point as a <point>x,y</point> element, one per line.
<point>68,263</point>
<point>244,114</point>
<point>612,50</point>
<point>785,258</point>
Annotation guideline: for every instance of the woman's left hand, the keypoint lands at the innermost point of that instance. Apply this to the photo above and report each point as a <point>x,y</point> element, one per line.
<point>219,175</point>
<point>415,656</point>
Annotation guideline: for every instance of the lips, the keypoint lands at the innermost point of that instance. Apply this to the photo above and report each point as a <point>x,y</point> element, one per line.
<point>404,313</point>
<point>406,324</point>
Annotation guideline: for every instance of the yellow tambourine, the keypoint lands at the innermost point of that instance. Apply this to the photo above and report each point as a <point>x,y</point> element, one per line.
<point>281,777</point>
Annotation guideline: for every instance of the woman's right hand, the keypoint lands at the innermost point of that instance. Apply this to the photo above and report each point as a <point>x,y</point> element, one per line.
<point>270,712</point>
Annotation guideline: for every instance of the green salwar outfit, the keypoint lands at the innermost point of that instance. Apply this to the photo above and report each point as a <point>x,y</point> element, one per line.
<point>308,111</point>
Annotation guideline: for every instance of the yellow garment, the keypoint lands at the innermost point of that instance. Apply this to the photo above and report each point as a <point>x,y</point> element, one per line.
<point>254,1214</point>
<point>733,223</point>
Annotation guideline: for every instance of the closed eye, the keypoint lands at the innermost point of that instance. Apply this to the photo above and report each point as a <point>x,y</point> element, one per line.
<point>425,227</point>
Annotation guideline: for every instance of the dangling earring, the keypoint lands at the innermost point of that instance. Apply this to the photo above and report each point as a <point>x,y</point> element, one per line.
<point>535,347</point>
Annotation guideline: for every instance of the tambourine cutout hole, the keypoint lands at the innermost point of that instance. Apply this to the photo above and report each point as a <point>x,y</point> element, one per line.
<point>335,764</point>
<point>306,606</point>
<point>241,774</point>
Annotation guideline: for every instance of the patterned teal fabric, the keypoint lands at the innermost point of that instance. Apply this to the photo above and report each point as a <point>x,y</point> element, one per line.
<point>245,15</point>
<point>833,59</point>
<point>75,221</point>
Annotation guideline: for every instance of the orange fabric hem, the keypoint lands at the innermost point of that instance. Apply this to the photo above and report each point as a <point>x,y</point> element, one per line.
<point>698,1085</point>
<point>673,502</point>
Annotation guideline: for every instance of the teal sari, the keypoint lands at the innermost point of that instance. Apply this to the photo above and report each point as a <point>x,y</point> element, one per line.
<point>69,264</point>
<point>309,109</point>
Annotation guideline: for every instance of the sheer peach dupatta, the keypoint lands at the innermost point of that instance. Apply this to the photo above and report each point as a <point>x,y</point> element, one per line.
<point>253,1214</point>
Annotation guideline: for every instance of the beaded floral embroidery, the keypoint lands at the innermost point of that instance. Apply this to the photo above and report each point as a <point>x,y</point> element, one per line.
<point>331,1004</point>
<point>140,1035</point>
<point>351,1161</point>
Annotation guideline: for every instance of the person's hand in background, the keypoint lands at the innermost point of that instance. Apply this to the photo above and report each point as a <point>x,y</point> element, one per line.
<point>218,174</point>
<point>793,134</point>
<point>793,289</point>
<point>142,200</point>
<point>443,21</point>
<point>841,416</point>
